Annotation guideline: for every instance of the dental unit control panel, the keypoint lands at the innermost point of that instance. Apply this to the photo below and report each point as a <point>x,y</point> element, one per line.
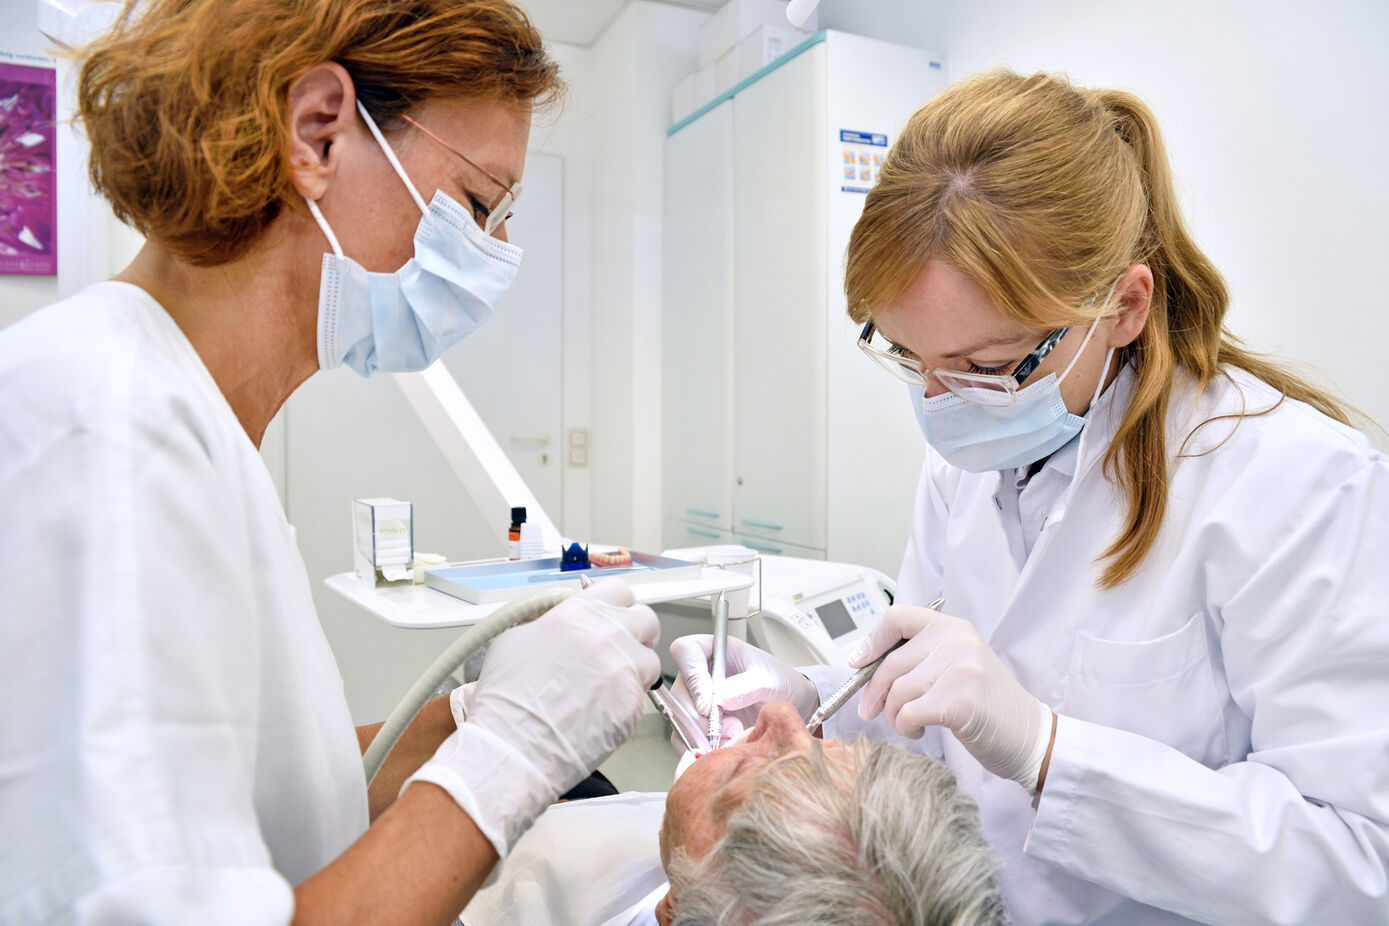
<point>811,611</point>
<point>816,612</point>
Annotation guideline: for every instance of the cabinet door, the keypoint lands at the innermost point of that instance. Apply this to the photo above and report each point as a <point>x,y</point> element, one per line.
<point>697,310</point>
<point>678,534</point>
<point>779,298</point>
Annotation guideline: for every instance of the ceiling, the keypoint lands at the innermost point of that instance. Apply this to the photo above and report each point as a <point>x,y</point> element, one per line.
<point>579,22</point>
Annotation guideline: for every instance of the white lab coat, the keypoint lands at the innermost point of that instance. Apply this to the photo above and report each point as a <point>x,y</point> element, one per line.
<point>584,863</point>
<point>1222,753</point>
<point>175,746</point>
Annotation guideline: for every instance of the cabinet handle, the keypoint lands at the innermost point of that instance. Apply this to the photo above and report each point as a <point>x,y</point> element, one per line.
<point>764,525</point>
<point>763,547</point>
<point>701,532</point>
<point>700,513</point>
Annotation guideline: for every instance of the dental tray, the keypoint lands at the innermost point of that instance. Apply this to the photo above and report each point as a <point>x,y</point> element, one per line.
<point>480,583</point>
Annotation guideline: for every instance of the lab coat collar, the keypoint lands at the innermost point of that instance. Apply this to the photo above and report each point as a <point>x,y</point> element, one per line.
<point>1101,424</point>
<point>1077,457</point>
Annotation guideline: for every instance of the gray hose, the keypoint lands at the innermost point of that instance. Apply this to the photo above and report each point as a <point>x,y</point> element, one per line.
<point>473,639</point>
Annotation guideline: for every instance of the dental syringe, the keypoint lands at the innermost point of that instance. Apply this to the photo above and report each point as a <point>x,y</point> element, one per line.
<point>844,692</point>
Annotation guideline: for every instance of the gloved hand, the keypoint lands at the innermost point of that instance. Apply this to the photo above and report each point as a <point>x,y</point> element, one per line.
<point>945,674</point>
<point>555,697</point>
<point>751,678</point>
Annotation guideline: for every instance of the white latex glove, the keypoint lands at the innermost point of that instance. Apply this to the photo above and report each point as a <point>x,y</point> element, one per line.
<point>946,675</point>
<point>555,697</point>
<point>751,678</point>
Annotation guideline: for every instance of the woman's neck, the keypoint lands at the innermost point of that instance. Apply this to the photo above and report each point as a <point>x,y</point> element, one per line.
<point>253,321</point>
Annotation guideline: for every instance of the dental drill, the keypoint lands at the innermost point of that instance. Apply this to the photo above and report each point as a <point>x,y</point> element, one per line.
<point>841,696</point>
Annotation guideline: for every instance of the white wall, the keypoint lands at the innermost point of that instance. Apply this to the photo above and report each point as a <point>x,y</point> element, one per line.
<point>1273,116</point>
<point>635,64</point>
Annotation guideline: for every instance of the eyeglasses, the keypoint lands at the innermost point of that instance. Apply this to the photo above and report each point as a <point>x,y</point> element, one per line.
<point>499,211</point>
<point>979,388</point>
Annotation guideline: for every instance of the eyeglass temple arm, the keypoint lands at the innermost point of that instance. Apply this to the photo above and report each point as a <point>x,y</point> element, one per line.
<point>1032,360</point>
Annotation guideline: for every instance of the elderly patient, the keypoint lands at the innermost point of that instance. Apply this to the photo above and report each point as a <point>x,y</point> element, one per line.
<point>778,828</point>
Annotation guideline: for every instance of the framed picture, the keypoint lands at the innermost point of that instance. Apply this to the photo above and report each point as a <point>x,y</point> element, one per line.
<point>28,174</point>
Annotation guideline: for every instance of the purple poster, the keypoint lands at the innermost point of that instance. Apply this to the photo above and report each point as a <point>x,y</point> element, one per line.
<point>28,182</point>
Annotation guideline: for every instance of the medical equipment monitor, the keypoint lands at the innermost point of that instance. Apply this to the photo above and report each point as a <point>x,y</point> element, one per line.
<point>835,616</point>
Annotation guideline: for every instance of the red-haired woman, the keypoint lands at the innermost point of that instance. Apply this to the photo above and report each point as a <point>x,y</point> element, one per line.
<point>320,182</point>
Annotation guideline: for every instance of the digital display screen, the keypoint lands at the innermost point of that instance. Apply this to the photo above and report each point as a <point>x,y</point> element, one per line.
<point>836,618</point>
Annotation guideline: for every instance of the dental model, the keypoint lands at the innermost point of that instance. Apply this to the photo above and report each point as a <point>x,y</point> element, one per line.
<point>623,557</point>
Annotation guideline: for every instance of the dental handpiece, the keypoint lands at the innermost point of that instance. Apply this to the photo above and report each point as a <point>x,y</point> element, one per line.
<point>718,669</point>
<point>844,692</point>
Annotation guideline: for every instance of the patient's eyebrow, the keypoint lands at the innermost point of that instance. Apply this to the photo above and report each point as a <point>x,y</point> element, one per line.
<point>726,802</point>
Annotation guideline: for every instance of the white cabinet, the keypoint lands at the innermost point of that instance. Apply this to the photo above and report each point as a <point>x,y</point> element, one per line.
<point>697,328</point>
<point>778,432</point>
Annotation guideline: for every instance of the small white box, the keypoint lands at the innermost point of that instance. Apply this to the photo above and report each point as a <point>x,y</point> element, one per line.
<point>383,539</point>
<point>726,72</point>
<point>735,19</point>
<point>706,84</point>
<point>764,45</point>
<point>682,103</point>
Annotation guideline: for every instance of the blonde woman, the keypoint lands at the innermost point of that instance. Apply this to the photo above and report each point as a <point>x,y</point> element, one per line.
<point>1163,666</point>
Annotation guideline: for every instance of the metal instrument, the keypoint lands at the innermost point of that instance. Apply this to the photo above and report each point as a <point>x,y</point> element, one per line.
<point>856,681</point>
<point>718,669</point>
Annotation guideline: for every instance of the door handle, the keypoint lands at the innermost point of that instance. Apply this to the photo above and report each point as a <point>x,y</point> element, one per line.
<point>700,532</point>
<point>540,437</point>
<point>701,513</point>
<point>762,525</point>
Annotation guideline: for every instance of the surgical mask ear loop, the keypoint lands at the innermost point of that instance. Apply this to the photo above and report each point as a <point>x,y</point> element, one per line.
<point>395,165</point>
<point>1093,325</point>
<point>390,156</point>
<point>323,226</point>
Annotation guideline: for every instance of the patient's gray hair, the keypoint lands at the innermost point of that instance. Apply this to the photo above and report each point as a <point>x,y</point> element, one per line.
<point>878,838</point>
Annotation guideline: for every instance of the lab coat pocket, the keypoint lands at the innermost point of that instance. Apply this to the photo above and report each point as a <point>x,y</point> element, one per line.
<point>1162,688</point>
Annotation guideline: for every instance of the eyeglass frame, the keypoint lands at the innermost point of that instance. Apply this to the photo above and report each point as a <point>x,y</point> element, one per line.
<point>1007,383</point>
<point>500,211</point>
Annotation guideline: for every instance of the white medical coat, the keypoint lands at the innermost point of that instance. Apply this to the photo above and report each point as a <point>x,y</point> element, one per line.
<point>175,746</point>
<point>1222,752</point>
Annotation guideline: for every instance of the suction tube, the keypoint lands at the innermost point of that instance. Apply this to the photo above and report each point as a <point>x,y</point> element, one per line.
<point>472,640</point>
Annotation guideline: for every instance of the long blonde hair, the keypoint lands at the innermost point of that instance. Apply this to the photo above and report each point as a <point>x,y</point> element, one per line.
<point>1044,193</point>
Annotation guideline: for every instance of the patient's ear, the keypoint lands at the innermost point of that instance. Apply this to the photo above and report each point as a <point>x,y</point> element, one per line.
<point>665,910</point>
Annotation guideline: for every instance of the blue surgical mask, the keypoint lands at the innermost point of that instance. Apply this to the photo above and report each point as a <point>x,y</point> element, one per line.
<point>983,438</point>
<point>403,321</point>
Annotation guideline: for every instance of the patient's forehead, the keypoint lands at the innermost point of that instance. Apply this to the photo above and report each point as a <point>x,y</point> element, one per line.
<point>700,803</point>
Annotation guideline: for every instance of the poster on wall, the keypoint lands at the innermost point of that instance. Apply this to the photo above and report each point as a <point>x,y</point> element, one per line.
<point>28,178</point>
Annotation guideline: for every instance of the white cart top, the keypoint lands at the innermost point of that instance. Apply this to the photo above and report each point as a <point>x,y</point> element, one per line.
<point>421,607</point>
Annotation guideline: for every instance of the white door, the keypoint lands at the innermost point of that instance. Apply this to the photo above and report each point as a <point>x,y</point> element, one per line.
<point>511,368</point>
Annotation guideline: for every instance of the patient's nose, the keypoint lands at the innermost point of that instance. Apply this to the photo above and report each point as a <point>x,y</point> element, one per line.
<point>781,724</point>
